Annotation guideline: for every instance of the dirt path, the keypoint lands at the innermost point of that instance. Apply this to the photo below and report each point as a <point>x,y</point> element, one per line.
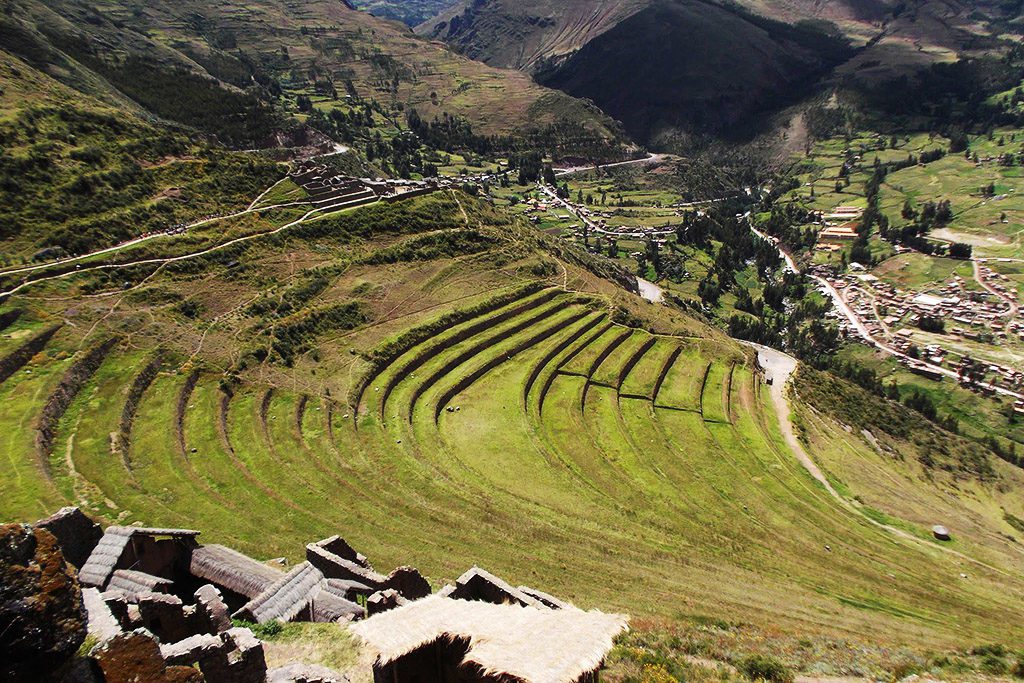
<point>308,216</point>
<point>1010,301</point>
<point>649,159</point>
<point>778,367</point>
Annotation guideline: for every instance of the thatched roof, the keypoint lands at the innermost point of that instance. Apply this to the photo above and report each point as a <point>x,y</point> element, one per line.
<point>337,567</point>
<point>103,560</point>
<point>327,607</point>
<point>231,569</point>
<point>101,563</point>
<point>346,588</point>
<point>534,645</point>
<point>134,584</point>
<point>286,598</point>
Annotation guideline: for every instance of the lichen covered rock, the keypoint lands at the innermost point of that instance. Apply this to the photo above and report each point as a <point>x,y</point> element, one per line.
<point>42,617</point>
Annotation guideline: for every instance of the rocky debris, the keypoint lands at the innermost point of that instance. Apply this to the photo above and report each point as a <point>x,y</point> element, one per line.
<point>76,534</point>
<point>134,657</point>
<point>102,622</point>
<point>199,649</point>
<point>211,613</point>
<point>42,618</point>
<point>304,673</point>
<point>234,656</point>
<point>117,602</point>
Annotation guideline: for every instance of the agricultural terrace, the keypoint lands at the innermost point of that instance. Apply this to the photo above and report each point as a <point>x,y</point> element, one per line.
<point>982,187</point>
<point>506,420</point>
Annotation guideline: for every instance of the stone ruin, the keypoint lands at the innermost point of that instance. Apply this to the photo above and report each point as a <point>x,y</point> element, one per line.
<point>160,605</point>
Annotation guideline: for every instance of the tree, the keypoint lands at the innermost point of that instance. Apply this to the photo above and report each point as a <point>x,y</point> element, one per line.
<point>960,250</point>
<point>932,324</point>
<point>549,175</point>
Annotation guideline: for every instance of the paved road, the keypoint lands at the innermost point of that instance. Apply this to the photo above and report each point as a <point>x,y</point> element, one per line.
<point>649,159</point>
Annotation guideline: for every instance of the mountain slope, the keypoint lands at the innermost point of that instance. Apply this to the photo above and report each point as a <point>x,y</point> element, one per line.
<point>147,56</point>
<point>401,375</point>
<point>702,66</point>
<point>655,65</point>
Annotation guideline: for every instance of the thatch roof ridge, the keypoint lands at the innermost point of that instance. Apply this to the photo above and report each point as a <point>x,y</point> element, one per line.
<point>104,557</point>
<point>223,566</point>
<point>287,597</point>
<point>329,563</point>
<point>135,583</point>
<point>535,645</point>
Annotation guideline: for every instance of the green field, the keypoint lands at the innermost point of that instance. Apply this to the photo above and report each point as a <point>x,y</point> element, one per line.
<point>477,414</point>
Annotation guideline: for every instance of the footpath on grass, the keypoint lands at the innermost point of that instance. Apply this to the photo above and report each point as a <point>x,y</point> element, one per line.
<point>779,367</point>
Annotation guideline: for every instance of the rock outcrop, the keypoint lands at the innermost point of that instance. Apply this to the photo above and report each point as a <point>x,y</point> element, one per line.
<point>42,617</point>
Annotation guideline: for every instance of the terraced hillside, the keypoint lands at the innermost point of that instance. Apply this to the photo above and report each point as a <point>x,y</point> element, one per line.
<point>520,426</point>
<point>212,65</point>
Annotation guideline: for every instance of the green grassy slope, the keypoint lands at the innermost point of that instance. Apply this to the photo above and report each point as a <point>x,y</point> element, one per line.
<point>202,64</point>
<point>506,421</point>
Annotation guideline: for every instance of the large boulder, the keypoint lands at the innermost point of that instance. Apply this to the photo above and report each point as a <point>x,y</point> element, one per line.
<point>134,657</point>
<point>42,618</point>
<point>76,534</point>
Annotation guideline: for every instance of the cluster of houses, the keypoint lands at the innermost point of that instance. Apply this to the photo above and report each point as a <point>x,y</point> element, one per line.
<point>890,313</point>
<point>163,590</point>
<point>595,221</point>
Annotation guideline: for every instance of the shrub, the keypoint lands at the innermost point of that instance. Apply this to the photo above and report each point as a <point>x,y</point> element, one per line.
<point>764,668</point>
<point>1018,667</point>
<point>993,664</point>
<point>265,631</point>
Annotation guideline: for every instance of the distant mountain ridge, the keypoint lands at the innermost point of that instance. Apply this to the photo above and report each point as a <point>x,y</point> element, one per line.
<point>409,12</point>
<point>656,65</point>
<point>671,68</point>
<point>151,57</point>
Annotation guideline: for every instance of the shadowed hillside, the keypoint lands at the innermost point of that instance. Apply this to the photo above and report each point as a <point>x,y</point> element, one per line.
<point>670,69</point>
